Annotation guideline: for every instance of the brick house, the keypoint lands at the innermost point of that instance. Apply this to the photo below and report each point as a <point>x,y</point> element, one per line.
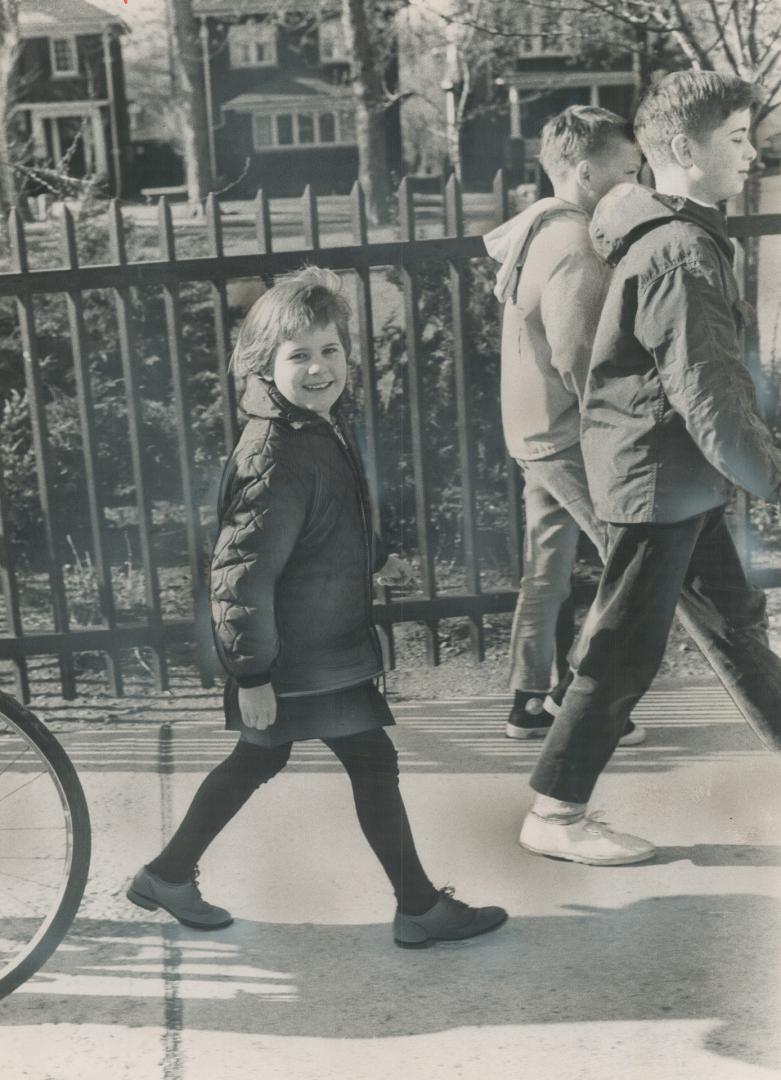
<point>70,108</point>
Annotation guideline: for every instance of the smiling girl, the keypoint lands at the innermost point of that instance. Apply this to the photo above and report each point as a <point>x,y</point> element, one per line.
<point>291,593</point>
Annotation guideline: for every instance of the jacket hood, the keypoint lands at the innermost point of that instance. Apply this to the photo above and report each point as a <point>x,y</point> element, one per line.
<point>261,399</point>
<point>628,211</point>
<point>508,243</point>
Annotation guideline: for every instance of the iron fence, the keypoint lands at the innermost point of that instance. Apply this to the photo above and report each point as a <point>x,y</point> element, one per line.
<point>168,274</point>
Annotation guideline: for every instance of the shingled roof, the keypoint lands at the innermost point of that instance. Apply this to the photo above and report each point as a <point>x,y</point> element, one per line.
<point>64,17</point>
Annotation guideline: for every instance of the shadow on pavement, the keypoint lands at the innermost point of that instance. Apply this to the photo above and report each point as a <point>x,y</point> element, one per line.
<point>720,855</point>
<point>708,957</point>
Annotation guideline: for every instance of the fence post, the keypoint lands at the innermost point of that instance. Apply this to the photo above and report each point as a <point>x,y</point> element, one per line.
<point>10,585</point>
<point>420,455</point>
<point>129,355</point>
<point>75,305</point>
<point>459,293</point>
<point>514,486</point>
<point>221,332</point>
<point>173,316</point>
<point>365,313</point>
<point>32,374</point>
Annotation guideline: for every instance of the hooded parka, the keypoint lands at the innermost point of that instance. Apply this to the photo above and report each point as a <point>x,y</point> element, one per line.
<point>670,418</point>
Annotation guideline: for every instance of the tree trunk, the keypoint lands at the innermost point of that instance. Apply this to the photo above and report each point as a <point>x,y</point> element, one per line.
<point>189,91</point>
<point>9,41</point>
<point>360,29</point>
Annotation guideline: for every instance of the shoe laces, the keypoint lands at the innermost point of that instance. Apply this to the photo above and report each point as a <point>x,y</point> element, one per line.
<point>595,823</point>
<point>195,879</point>
<point>449,892</point>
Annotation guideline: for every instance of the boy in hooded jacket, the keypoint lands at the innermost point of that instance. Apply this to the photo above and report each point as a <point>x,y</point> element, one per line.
<point>291,595</point>
<point>553,286</point>
<point>669,424</point>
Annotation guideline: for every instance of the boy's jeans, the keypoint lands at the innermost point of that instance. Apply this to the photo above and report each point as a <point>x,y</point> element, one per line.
<point>650,568</point>
<point>558,506</point>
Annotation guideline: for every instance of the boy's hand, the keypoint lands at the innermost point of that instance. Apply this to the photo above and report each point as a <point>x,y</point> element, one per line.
<point>258,706</point>
<point>396,571</point>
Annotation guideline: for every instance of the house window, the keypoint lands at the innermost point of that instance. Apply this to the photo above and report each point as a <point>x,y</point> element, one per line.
<point>264,132</point>
<point>327,123</point>
<point>285,129</point>
<point>64,58</point>
<point>347,126</point>
<point>331,42</point>
<point>252,45</point>
<point>310,127</point>
<point>543,33</point>
<point>306,128</point>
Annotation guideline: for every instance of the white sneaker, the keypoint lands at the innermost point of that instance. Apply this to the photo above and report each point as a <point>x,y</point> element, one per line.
<point>587,840</point>
<point>633,735</point>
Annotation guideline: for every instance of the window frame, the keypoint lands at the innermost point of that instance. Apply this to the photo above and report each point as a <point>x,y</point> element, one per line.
<point>58,73</point>
<point>258,33</point>
<point>337,59</point>
<point>295,111</point>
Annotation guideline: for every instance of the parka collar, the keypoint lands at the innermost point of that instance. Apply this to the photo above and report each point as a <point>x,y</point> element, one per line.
<point>630,210</point>
<point>262,399</point>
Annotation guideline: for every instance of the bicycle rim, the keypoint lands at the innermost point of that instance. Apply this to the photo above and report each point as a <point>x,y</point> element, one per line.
<point>44,843</point>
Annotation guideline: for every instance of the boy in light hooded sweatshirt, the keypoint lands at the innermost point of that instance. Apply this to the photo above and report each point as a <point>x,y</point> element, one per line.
<point>553,286</point>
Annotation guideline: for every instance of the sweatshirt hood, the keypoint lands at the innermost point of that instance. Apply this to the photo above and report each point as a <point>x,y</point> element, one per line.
<point>262,399</point>
<point>508,243</point>
<point>628,211</point>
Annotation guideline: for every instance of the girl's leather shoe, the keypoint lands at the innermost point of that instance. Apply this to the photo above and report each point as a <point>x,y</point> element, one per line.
<point>184,902</point>
<point>448,920</point>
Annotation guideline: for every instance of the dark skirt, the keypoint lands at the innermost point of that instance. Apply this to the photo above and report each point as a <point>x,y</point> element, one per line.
<point>314,716</point>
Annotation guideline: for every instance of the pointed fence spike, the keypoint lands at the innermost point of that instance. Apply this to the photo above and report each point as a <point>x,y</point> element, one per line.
<point>501,195</point>
<point>214,224</point>
<point>165,225</point>
<point>358,213</point>
<point>68,239</point>
<point>310,219</point>
<point>406,210</point>
<point>18,241</point>
<point>117,232</point>
<point>454,204</point>
<point>263,223</point>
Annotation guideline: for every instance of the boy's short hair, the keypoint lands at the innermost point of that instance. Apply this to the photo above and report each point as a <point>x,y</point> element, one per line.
<point>312,297</point>
<point>578,132</point>
<point>687,103</point>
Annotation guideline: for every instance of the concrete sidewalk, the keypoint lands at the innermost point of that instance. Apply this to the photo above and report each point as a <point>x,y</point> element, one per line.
<point>665,970</point>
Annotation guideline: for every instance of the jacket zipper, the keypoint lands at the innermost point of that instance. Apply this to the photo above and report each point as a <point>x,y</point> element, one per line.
<point>366,534</point>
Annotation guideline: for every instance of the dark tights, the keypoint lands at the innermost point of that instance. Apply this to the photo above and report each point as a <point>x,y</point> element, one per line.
<point>371,763</point>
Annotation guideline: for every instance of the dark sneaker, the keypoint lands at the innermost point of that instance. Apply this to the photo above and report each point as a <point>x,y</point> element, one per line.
<point>528,717</point>
<point>184,902</point>
<point>448,920</point>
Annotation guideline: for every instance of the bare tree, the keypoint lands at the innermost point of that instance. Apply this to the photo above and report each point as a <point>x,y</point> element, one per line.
<point>365,30</point>
<point>189,97</point>
<point>9,45</point>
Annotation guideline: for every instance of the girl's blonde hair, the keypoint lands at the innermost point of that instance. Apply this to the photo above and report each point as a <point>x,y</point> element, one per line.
<point>312,297</point>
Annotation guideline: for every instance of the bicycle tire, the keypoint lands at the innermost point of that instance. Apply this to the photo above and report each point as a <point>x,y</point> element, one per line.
<point>78,835</point>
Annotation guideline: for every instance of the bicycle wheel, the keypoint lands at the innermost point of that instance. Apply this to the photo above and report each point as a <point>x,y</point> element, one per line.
<point>44,843</point>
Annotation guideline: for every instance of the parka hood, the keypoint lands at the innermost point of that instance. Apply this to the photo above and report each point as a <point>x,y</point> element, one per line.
<point>628,211</point>
<point>507,243</point>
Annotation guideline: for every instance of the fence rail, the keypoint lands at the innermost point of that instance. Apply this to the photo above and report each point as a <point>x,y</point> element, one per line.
<point>167,276</point>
